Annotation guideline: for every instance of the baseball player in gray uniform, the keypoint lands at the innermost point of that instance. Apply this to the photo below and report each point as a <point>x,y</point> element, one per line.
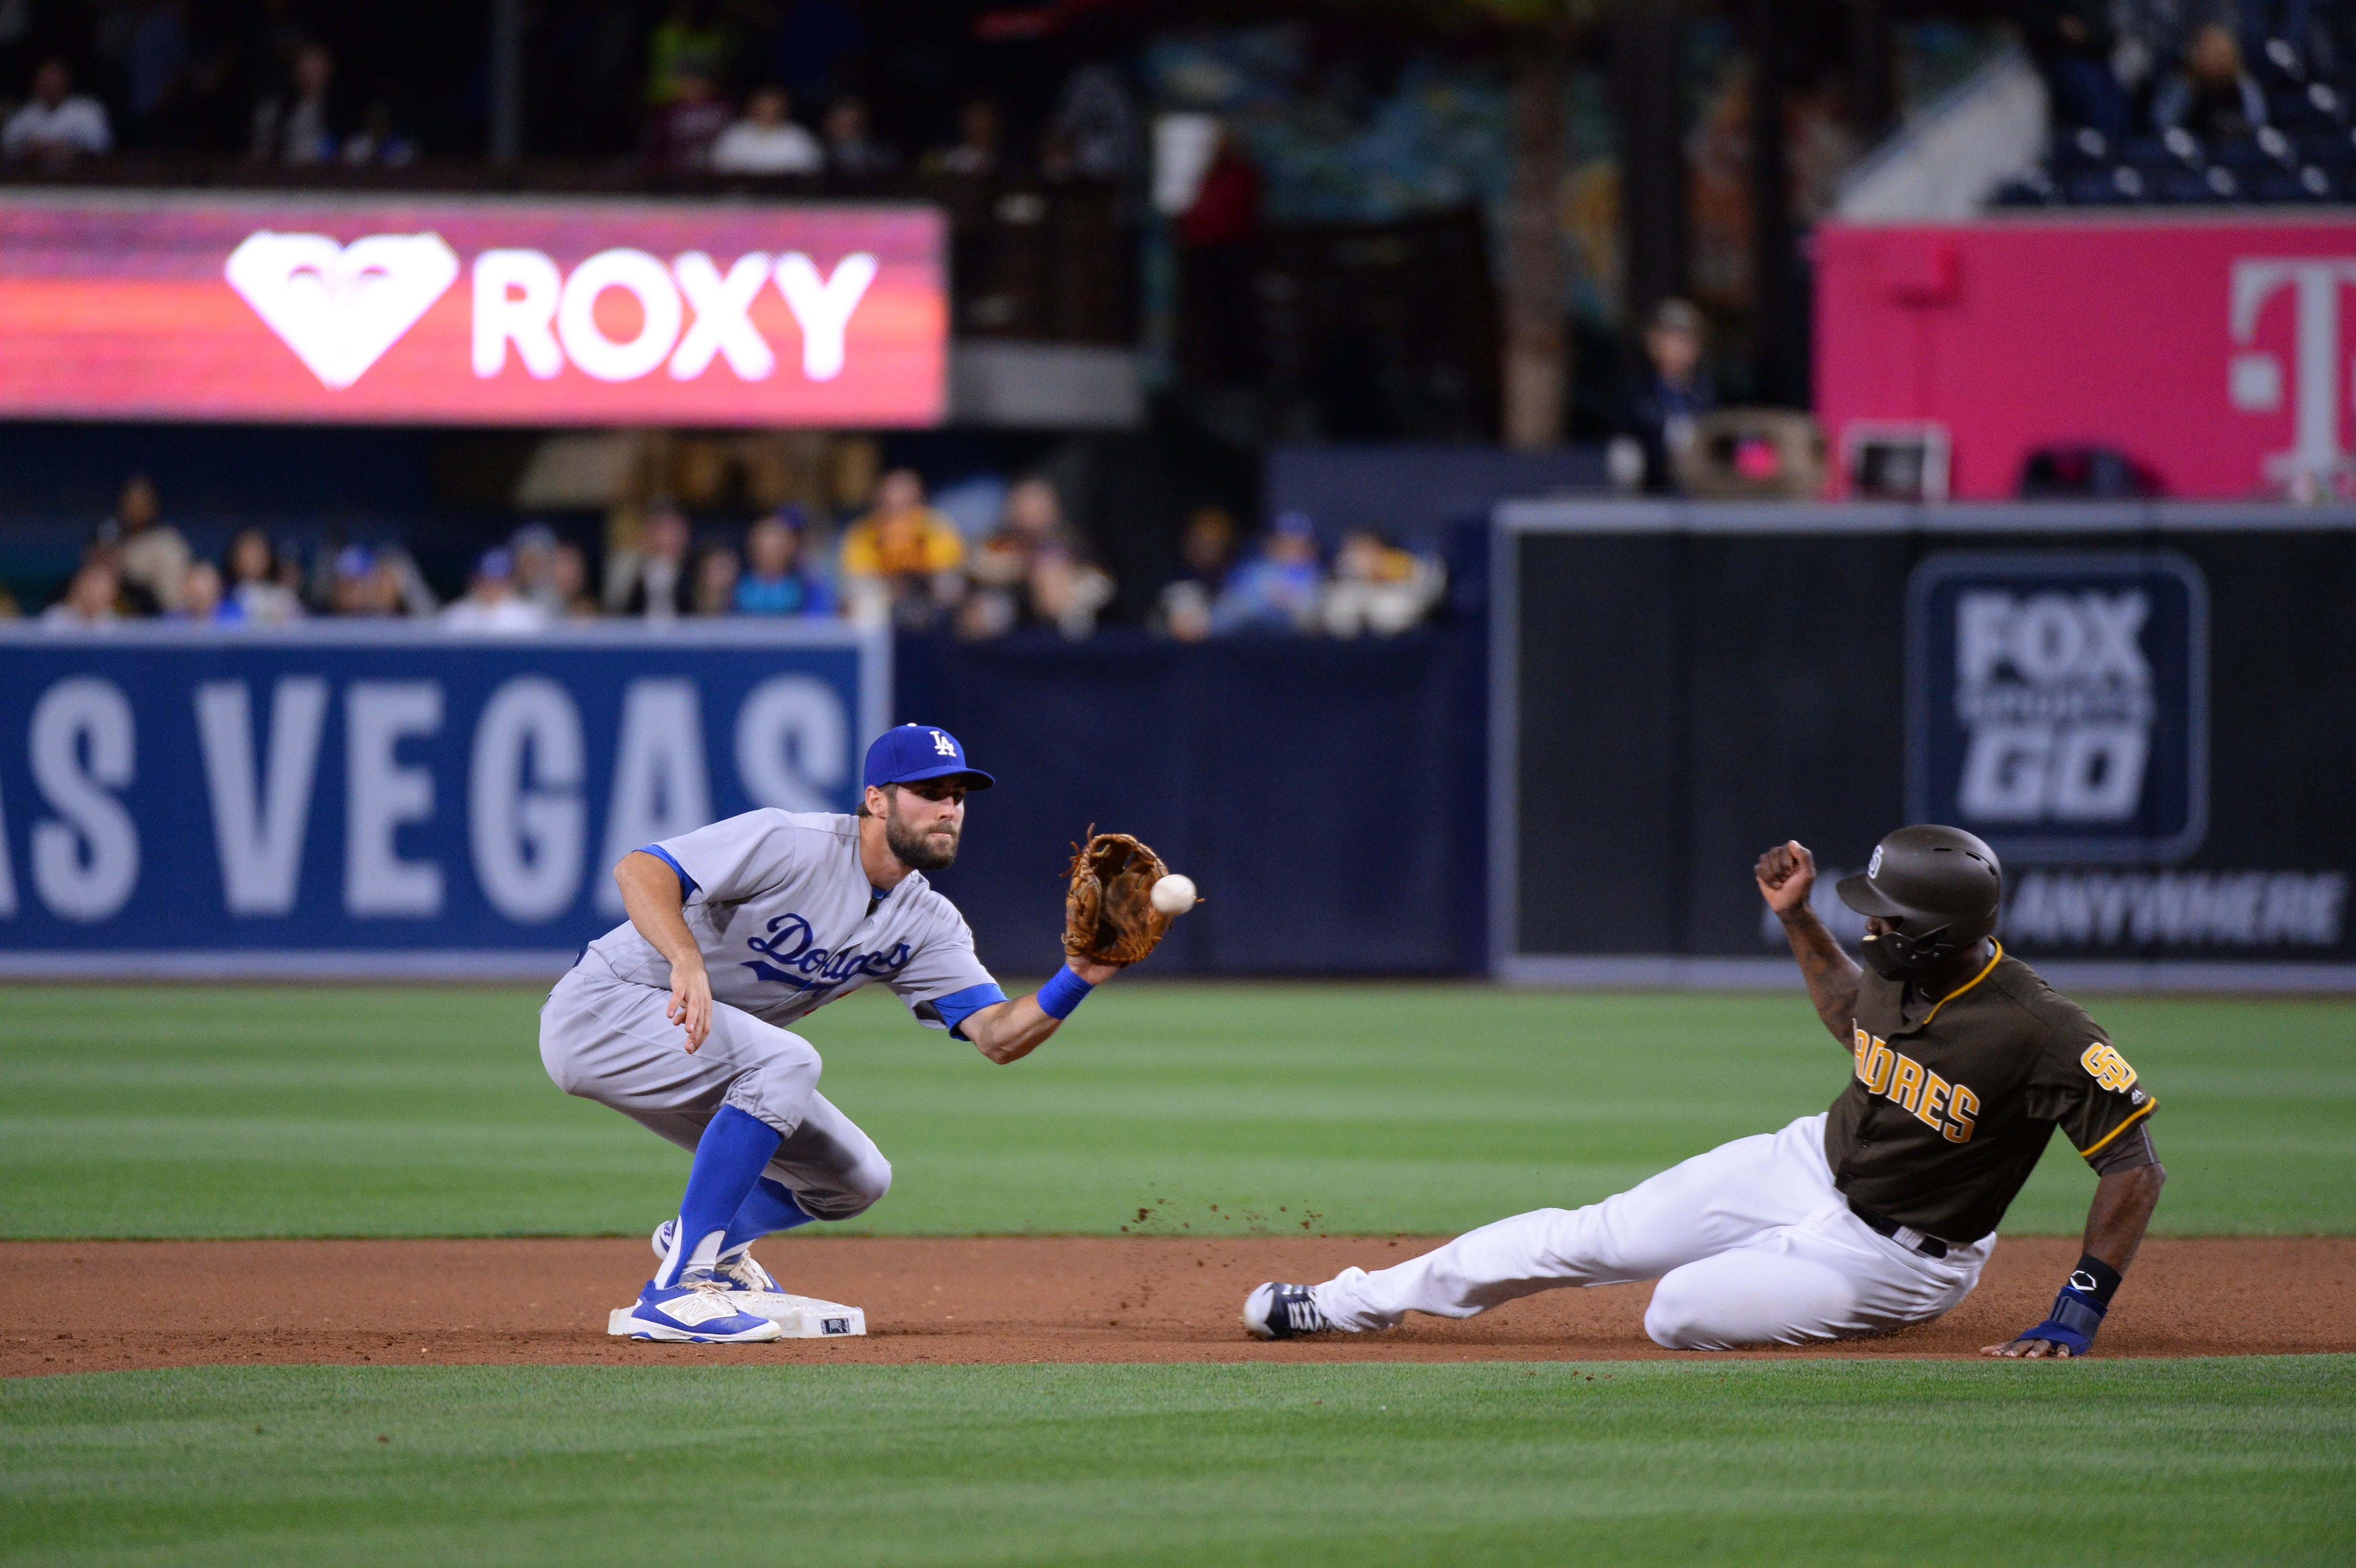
<point>679,1018</point>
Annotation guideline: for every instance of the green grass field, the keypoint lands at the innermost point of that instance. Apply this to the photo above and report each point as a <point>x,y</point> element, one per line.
<point>1917,1465</point>
<point>266,1112</point>
<point>258,1111</point>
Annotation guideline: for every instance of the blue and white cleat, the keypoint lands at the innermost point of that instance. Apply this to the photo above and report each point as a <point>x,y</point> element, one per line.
<point>736,1271</point>
<point>1283,1312</point>
<point>698,1313</point>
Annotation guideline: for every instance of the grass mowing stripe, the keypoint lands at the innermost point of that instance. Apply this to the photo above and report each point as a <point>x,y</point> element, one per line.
<point>1914,1463</point>
<point>257,1110</point>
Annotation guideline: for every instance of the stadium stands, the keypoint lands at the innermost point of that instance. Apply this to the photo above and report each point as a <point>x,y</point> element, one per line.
<point>2275,128</point>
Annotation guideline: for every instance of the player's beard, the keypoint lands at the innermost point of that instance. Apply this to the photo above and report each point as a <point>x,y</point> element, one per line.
<point>918,852</point>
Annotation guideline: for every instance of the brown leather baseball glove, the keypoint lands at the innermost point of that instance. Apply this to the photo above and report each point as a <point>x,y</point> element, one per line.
<point>1109,914</point>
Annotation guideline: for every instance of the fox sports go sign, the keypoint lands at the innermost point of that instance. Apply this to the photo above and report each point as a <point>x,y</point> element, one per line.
<point>538,313</point>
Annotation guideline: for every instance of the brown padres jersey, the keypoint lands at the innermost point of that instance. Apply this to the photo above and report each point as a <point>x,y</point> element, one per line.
<point>1948,1113</point>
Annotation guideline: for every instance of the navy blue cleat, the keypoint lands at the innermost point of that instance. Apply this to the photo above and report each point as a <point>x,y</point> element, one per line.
<point>1283,1312</point>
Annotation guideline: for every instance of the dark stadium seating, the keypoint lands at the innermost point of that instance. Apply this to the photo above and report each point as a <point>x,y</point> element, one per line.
<point>2305,156</point>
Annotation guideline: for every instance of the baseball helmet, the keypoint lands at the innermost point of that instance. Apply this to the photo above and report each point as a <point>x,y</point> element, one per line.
<point>1939,887</point>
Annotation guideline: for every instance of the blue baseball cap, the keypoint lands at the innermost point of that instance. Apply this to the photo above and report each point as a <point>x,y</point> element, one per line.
<point>912,752</point>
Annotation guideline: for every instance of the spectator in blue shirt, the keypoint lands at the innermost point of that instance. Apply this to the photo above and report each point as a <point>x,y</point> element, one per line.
<point>774,582</point>
<point>1277,590</point>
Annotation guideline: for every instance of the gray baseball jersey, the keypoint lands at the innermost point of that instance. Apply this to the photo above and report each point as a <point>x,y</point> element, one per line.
<point>786,920</point>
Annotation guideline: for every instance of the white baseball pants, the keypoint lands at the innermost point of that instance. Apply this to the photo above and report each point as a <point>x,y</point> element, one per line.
<point>1751,1241</point>
<point>607,1040</point>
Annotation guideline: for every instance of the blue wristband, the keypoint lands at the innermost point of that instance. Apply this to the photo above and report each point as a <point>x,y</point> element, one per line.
<point>1059,996</point>
<point>2072,1323</point>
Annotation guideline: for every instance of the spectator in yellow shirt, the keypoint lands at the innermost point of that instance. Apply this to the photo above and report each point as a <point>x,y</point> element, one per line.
<point>901,563</point>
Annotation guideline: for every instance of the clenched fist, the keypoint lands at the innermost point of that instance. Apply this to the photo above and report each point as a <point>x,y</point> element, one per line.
<point>1786,875</point>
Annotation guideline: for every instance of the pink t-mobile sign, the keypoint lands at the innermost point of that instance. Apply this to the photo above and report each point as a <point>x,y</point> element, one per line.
<point>449,310</point>
<point>2212,349</point>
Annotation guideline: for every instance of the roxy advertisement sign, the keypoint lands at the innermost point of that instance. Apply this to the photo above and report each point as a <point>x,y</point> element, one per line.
<point>541,312</point>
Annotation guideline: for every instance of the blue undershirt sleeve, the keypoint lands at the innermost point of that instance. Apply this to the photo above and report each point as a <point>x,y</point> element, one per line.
<point>958,1005</point>
<point>687,888</point>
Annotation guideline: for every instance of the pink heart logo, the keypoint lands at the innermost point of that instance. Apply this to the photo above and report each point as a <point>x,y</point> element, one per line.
<point>341,307</point>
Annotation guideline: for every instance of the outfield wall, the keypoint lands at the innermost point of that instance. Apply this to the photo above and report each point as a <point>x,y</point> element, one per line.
<point>2149,711</point>
<point>1325,795</point>
<point>344,799</point>
<point>351,798</point>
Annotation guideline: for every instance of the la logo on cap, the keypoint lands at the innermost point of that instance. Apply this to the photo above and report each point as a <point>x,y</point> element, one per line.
<point>943,744</point>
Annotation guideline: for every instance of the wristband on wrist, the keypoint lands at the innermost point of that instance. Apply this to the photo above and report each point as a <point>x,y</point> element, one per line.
<point>1060,995</point>
<point>2094,1279</point>
<point>2077,1312</point>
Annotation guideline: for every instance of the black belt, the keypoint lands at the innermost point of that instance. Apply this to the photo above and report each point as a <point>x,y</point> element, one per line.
<point>1904,1235</point>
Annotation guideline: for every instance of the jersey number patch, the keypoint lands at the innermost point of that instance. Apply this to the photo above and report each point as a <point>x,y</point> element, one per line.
<point>2109,1068</point>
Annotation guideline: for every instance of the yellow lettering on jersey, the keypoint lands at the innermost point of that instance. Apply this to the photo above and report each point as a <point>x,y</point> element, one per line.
<point>1906,1085</point>
<point>1933,1111</point>
<point>1962,1106</point>
<point>1946,1108</point>
<point>1876,1070</point>
<point>2109,1068</point>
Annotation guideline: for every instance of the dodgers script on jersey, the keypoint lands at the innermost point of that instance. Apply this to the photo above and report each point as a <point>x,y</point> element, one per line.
<point>787,921</point>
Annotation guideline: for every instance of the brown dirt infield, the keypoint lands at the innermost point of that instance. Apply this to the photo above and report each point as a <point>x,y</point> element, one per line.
<point>75,1306</point>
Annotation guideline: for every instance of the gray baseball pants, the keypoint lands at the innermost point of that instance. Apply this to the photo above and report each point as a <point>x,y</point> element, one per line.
<point>606,1038</point>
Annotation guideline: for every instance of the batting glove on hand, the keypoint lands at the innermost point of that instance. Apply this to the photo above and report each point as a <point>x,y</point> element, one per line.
<point>2070,1328</point>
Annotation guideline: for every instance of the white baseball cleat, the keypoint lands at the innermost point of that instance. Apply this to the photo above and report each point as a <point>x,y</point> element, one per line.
<point>1277,1311</point>
<point>700,1313</point>
<point>736,1271</point>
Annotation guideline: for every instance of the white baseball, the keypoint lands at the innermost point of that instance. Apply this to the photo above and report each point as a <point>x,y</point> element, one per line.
<point>1174,894</point>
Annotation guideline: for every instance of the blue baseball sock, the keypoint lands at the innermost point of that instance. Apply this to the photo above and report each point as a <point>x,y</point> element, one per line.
<point>729,1161</point>
<point>770,1209</point>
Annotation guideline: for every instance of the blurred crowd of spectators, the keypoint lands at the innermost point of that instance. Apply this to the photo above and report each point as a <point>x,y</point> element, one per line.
<point>1283,584</point>
<point>724,97</point>
<point>721,90</point>
<point>2193,102</point>
<point>691,125</point>
<point>2125,67</point>
<point>296,115</point>
<point>902,564</point>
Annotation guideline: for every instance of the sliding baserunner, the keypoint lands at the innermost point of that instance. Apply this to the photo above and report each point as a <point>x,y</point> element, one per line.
<point>1877,1214</point>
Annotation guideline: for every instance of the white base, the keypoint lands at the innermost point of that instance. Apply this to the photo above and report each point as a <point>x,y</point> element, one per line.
<point>796,1317</point>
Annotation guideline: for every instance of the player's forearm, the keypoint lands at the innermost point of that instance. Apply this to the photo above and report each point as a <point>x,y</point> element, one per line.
<point>2123,1206</point>
<point>650,895</point>
<point>1833,976</point>
<point>1009,1032</point>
